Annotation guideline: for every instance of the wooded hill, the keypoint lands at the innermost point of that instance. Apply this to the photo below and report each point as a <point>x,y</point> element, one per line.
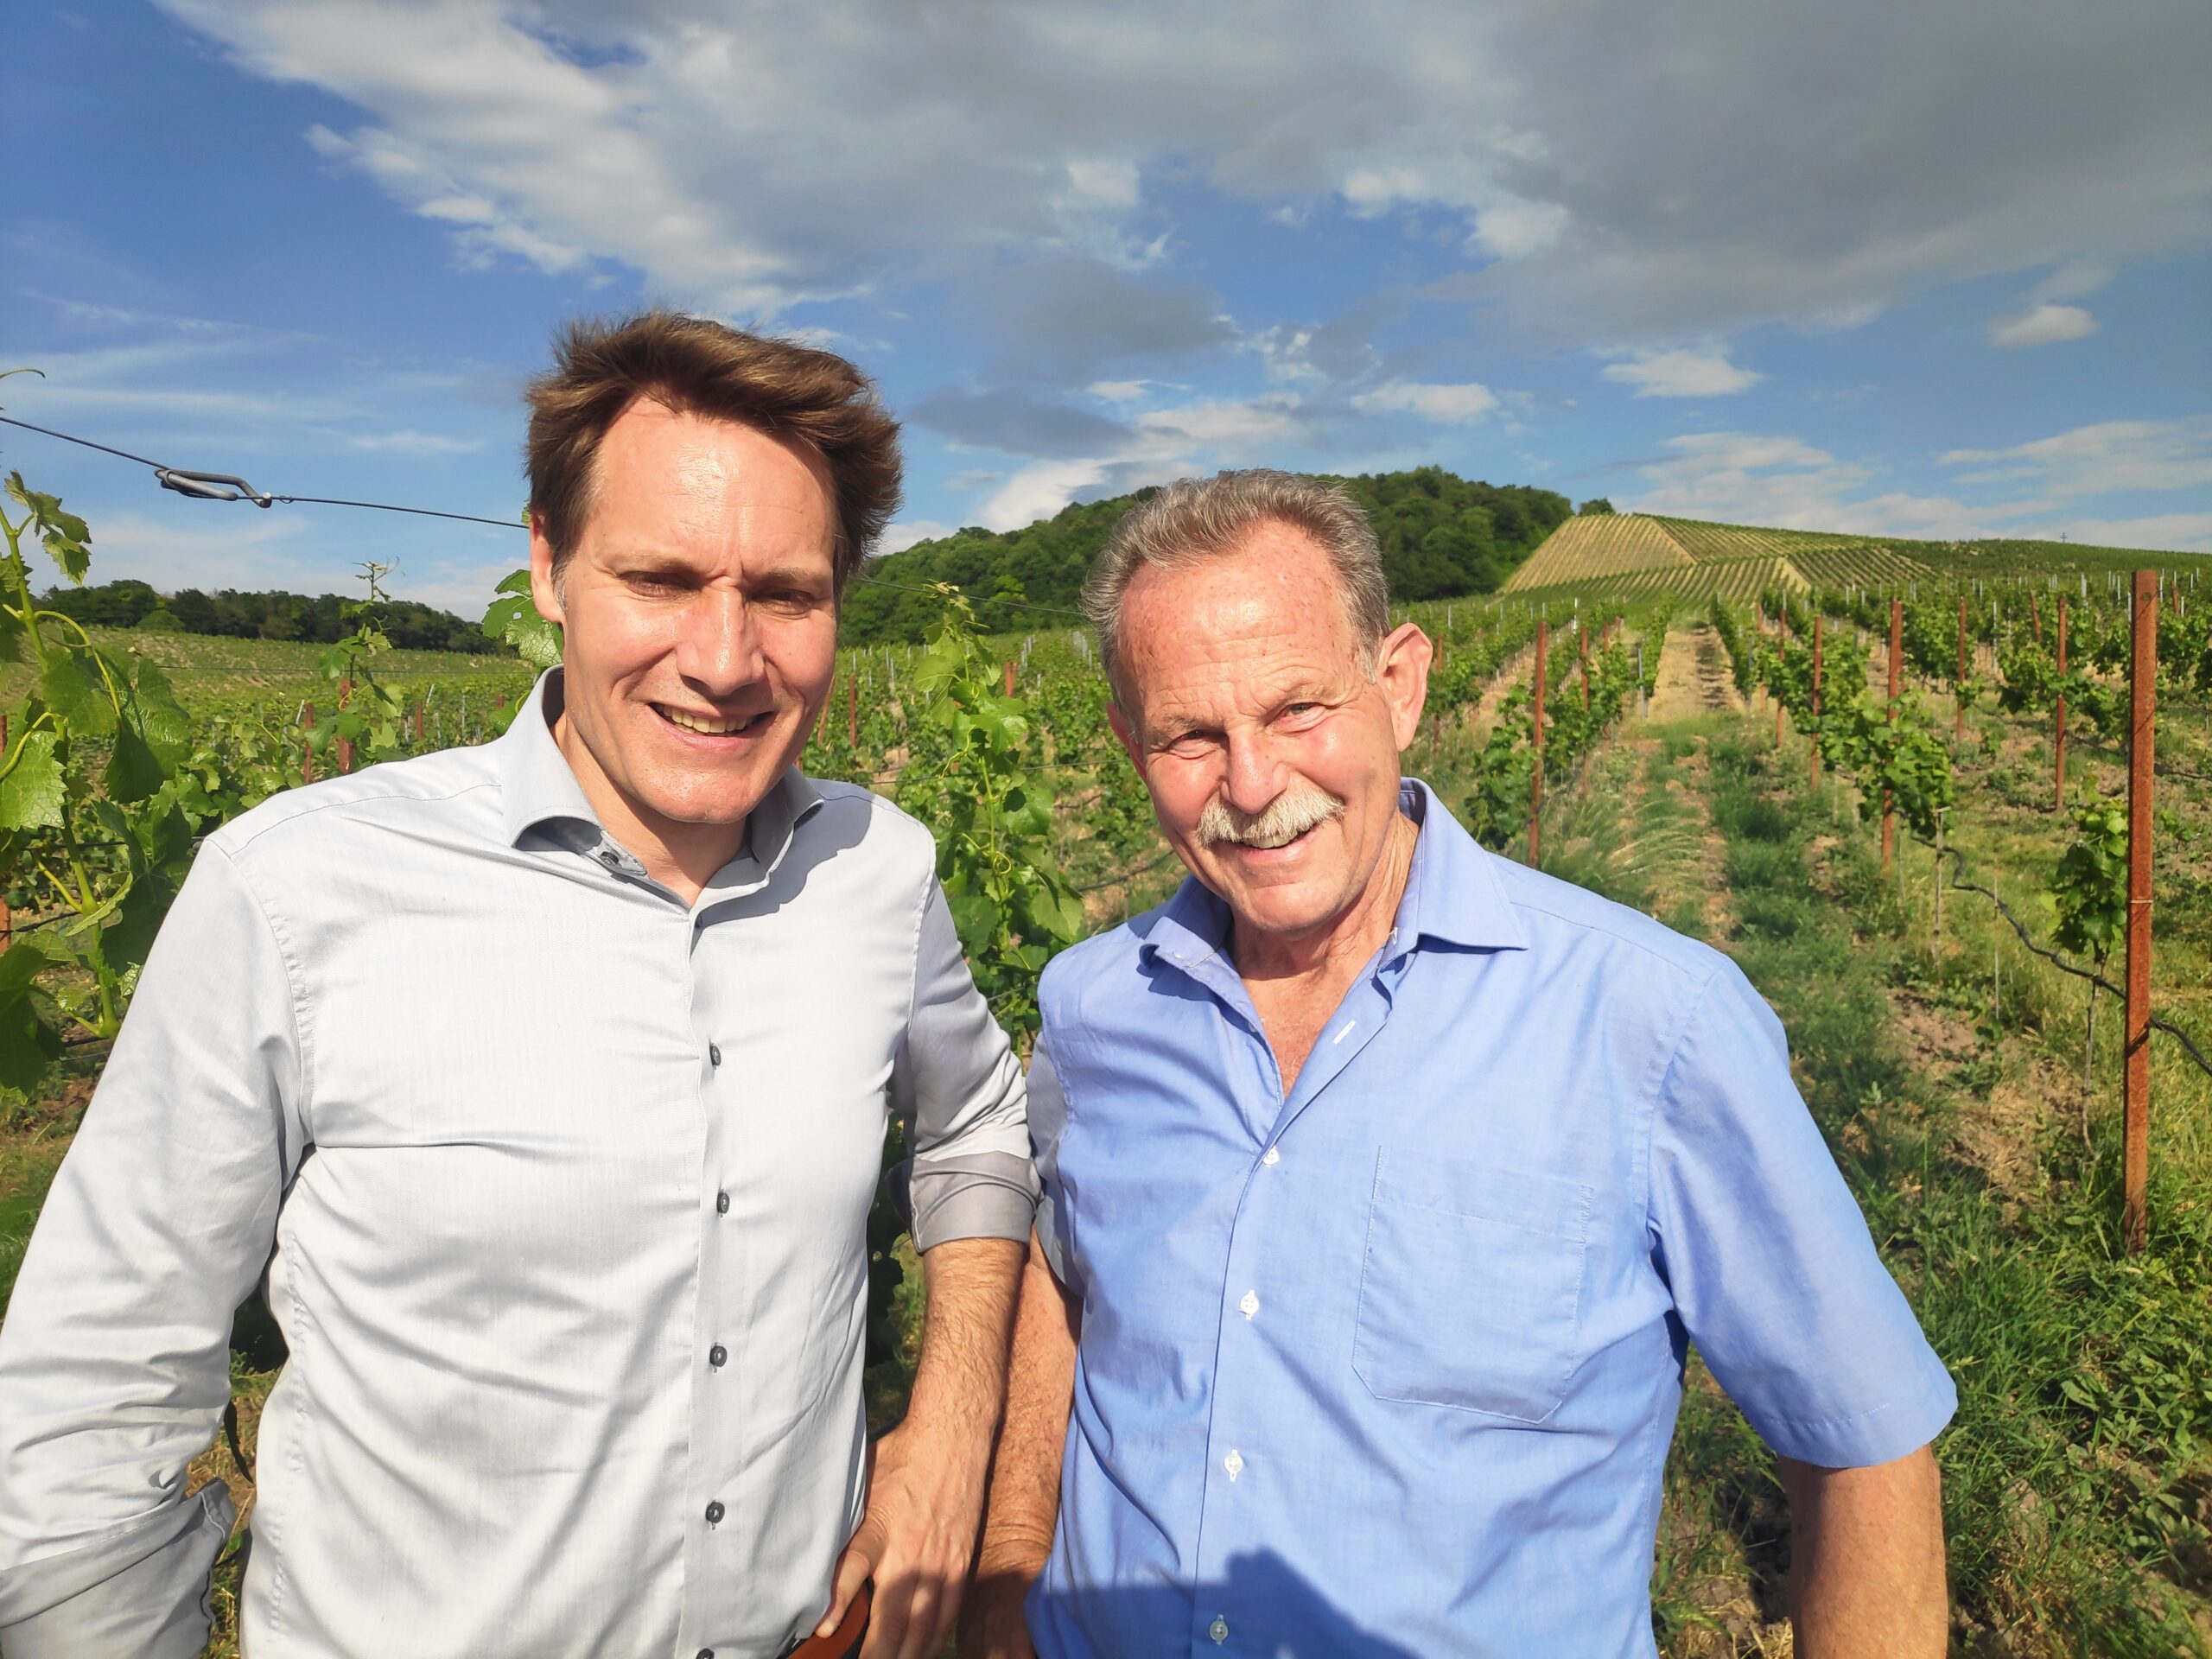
<point>1441,535</point>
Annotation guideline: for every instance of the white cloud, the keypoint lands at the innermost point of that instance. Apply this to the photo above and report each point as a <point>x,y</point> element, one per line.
<point>1513,229</point>
<point>1119,392</point>
<point>752,158</point>
<point>1748,479</point>
<point>1040,491</point>
<point>1234,425</point>
<point>903,535</point>
<point>415,443</point>
<point>2100,460</point>
<point>242,549</point>
<point>2041,325</point>
<point>1448,405</point>
<point>1682,373</point>
<point>2178,532</point>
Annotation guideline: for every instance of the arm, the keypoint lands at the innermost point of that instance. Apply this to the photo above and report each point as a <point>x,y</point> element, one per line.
<point>1866,1560</point>
<point>925,1490</point>
<point>1025,1492</point>
<point>113,1361</point>
<point>957,1087</point>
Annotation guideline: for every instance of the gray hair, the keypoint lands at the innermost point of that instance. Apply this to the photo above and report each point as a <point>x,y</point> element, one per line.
<point>1194,519</point>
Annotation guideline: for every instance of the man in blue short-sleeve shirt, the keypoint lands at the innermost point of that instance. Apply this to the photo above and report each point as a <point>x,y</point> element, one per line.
<point>1387,1183</point>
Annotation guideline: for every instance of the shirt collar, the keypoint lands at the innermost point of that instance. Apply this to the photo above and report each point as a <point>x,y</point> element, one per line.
<point>538,787</point>
<point>1452,896</point>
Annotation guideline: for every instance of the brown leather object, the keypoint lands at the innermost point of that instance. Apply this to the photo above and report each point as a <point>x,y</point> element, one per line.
<point>844,1641</point>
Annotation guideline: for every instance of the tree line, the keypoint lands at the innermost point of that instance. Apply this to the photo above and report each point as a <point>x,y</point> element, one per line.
<point>1441,535</point>
<point>273,614</point>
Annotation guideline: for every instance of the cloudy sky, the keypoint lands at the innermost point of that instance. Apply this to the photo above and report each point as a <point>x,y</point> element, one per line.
<point>1885,267</point>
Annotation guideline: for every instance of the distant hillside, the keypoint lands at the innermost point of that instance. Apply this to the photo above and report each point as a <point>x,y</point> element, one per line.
<point>273,614</point>
<point>1441,535</point>
<point>1629,554</point>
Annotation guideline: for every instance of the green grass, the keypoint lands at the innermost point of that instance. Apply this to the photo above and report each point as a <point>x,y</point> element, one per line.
<point>207,669</point>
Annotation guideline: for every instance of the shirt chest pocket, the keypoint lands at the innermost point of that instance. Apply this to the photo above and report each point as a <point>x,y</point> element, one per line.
<point>1470,1294</point>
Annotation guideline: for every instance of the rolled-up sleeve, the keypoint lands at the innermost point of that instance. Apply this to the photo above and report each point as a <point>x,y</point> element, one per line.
<point>1048,1118</point>
<point>114,1366</point>
<point>958,1089</point>
<point>1770,1264</point>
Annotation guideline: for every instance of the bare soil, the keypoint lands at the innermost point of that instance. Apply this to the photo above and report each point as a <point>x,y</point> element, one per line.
<point>1695,675</point>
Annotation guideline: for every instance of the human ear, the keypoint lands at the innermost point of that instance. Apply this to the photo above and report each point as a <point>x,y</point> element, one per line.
<point>1401,671</point>
<point>545,587</point>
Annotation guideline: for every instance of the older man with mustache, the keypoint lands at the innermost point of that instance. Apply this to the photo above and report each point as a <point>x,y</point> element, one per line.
<point>1387,1181</point>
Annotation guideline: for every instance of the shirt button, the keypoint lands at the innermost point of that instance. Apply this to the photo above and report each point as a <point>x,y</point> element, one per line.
<point>1271,1157</point>
<point>1234,1463</point>
<point>1251,1305</point>
<point>717,1355</point>
<point>714,1513</point>
<point>713,1053</point>
<point>706,1653</point>
<point>1218,1629</point>
<point>722,1204</point>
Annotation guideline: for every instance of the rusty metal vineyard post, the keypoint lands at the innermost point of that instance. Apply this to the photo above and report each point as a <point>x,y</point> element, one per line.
<point>2059,734</point>
<point>2142,696</point>
<point>1816,699</point>
<point>1537,772</point>
<point>1897,675</point>
<point>1959,715</point>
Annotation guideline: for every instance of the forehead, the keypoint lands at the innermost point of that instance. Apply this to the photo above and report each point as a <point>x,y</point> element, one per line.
<point>682,482</point>
<point>1247,624</point>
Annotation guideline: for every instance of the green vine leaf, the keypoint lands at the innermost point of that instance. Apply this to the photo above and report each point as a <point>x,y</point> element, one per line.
<point>75,695</point>
<point>29,1045</point>
<point>133,772</point>
<point>513,620</point>
<point>31,792</point>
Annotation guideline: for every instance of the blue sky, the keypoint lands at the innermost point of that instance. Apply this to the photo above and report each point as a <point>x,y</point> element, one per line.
<point>1885,268</point>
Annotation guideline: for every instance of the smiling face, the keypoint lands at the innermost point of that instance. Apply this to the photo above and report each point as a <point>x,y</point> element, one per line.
<point>700,609</point>
<point>1271,753</point>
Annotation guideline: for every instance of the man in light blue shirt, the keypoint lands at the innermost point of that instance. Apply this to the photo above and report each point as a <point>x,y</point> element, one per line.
<point>1387,1181</point>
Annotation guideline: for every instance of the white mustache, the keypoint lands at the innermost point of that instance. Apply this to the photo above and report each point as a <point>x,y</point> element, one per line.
<point>1285,818</point>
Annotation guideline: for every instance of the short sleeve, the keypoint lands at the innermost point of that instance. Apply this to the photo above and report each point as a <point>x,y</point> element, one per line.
<point>1048,1117</point>
<point>1772,1266</point>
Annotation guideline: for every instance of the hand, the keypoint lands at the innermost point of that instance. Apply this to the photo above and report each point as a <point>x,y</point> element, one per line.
<point>916,1540</point>
<point>992,1622</point>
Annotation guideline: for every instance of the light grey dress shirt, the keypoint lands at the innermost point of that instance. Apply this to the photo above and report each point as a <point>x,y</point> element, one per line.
<point>559,1185</point>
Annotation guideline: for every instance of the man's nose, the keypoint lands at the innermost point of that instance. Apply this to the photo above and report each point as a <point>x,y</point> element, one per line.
<point>720,650</point>
<point>1256,773</point>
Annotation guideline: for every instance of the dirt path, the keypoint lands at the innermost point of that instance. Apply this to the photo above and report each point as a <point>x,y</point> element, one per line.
<point>1516,671</point>
<point>1695,676</point>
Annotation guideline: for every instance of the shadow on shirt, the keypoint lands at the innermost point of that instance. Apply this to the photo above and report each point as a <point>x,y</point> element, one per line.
<point>1264,1607</point>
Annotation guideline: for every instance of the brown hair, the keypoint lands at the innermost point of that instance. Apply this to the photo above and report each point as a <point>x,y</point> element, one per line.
<point>698,367</point>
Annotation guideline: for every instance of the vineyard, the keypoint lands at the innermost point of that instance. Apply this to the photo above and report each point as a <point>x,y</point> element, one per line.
<point>1916,864</point>
<point>1615,557</point>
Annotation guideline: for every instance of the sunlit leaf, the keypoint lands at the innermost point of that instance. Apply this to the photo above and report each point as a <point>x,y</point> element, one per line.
<point>72,690</point>
<point>31,792</point>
